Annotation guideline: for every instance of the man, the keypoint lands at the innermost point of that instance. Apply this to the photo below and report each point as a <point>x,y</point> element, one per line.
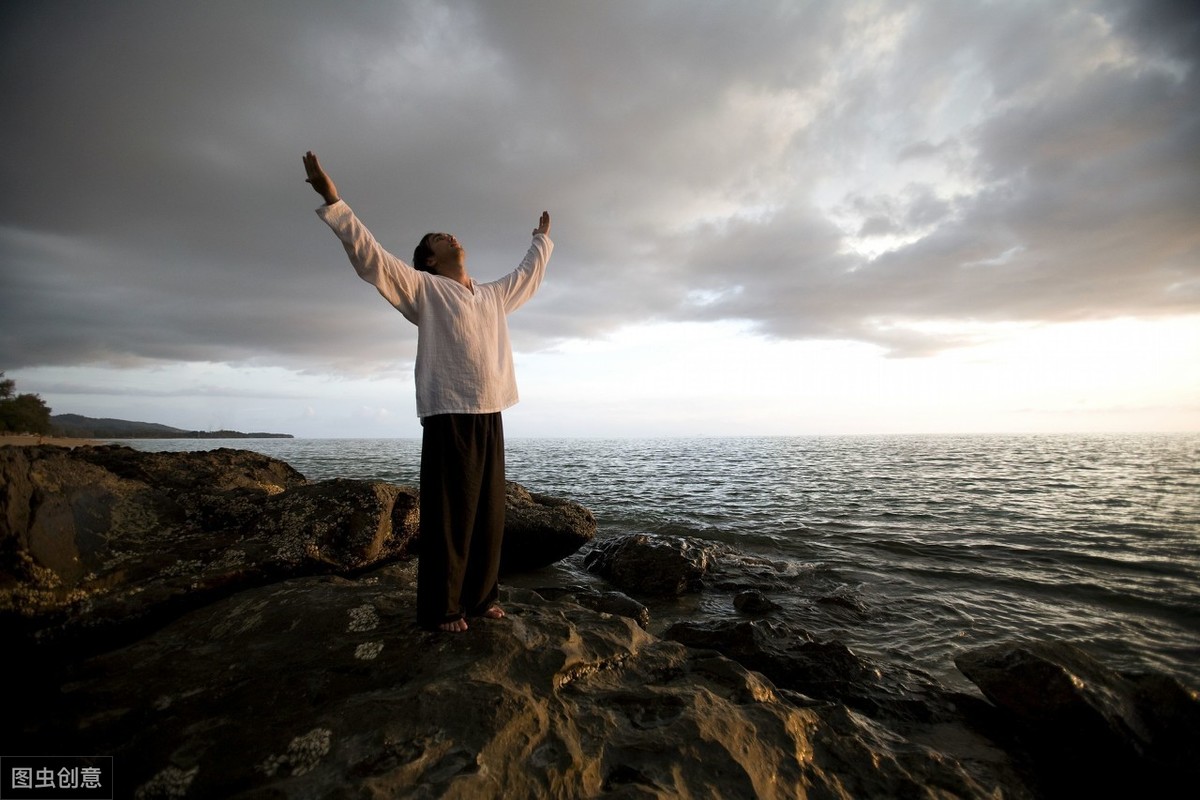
<point>464,378</point>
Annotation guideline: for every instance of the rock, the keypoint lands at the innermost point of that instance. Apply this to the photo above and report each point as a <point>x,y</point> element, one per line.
<point>64,510</point>
<point>844,601</point>
<point>752,601</point>
<point>602,601</point>
<point>342,524</point>
<point>540,530</point>
<point>199,472</point>
<point>904,702</point>
<point>790,658</point>
<point>1092,730</point>
<point>616,603</point>
<point>826,670</point>
<point>650,565</point>
<point>99,539</point>
<point>1169,709</point>
<point>324,687</point>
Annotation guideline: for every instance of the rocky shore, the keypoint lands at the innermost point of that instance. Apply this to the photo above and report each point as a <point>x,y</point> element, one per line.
<point>225,628</point>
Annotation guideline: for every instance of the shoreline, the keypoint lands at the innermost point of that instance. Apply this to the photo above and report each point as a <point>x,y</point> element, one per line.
<point>33,438</point>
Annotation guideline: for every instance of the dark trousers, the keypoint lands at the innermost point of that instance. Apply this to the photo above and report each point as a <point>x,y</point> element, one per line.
<point>462,516</point>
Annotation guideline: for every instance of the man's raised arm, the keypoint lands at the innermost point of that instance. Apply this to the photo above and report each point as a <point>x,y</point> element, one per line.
<point>395,280</point>
<point>519,285</point>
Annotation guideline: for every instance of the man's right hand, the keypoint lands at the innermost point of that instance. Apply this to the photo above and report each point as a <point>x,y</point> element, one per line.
<point>318,179</point>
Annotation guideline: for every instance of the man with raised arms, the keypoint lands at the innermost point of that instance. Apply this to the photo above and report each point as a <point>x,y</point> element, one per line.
<point>464,379</point>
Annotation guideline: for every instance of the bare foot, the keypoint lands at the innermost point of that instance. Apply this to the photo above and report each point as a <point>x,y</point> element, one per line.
<point>453,626</point>
<point>495,612</point>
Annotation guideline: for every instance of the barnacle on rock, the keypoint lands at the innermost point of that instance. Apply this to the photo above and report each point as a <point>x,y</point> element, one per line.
<point>363,618</point>
<point>368,650</point>
<point>171,782</point>
<point>303,753</point>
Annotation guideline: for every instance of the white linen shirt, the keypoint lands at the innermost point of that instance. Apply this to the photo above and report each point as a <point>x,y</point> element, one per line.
<point>464,357</point>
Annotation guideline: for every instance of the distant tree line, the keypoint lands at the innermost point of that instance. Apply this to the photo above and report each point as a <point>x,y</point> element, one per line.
<point>27,413</point>
<point>21,413</point>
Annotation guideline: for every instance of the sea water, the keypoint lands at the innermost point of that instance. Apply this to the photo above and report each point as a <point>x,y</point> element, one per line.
<point>945,543</point>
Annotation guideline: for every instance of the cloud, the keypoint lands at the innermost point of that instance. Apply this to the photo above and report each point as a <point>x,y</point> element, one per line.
<point>871,172</point>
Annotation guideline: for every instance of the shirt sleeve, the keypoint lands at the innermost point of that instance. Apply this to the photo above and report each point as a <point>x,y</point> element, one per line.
<point>519,285</point>
<point>396,281</point>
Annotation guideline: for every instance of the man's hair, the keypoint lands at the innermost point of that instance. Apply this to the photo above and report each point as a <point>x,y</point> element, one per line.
<point>422,255</point>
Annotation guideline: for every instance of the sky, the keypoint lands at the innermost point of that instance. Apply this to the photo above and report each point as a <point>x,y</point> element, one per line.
<point>770,218</point>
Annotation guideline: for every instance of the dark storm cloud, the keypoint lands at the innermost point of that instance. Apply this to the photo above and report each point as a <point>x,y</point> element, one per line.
<point>702,161</point>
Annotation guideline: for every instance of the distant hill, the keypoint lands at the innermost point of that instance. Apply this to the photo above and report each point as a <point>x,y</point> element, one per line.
<point>81,427</point>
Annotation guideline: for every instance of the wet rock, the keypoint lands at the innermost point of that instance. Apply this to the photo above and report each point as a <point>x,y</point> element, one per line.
<point>540,530</point>
<point>650,566</point>
<point>598,600</point>
<point>846,602</point>
<point>752,601</point>
<point>789,657</point>
<point>1092,730</point>
<point>826,670</point>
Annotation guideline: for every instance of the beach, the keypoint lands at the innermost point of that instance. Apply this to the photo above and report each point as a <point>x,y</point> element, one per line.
<point>30,438</point>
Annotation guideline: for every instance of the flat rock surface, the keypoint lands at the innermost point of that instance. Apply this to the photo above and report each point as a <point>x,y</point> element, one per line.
<point>324,687</point>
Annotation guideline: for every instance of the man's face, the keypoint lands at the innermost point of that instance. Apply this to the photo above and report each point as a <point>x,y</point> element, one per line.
<point>446,249</point>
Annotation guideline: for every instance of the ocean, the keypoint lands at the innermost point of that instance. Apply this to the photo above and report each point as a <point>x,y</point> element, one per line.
<point>945,543</point>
